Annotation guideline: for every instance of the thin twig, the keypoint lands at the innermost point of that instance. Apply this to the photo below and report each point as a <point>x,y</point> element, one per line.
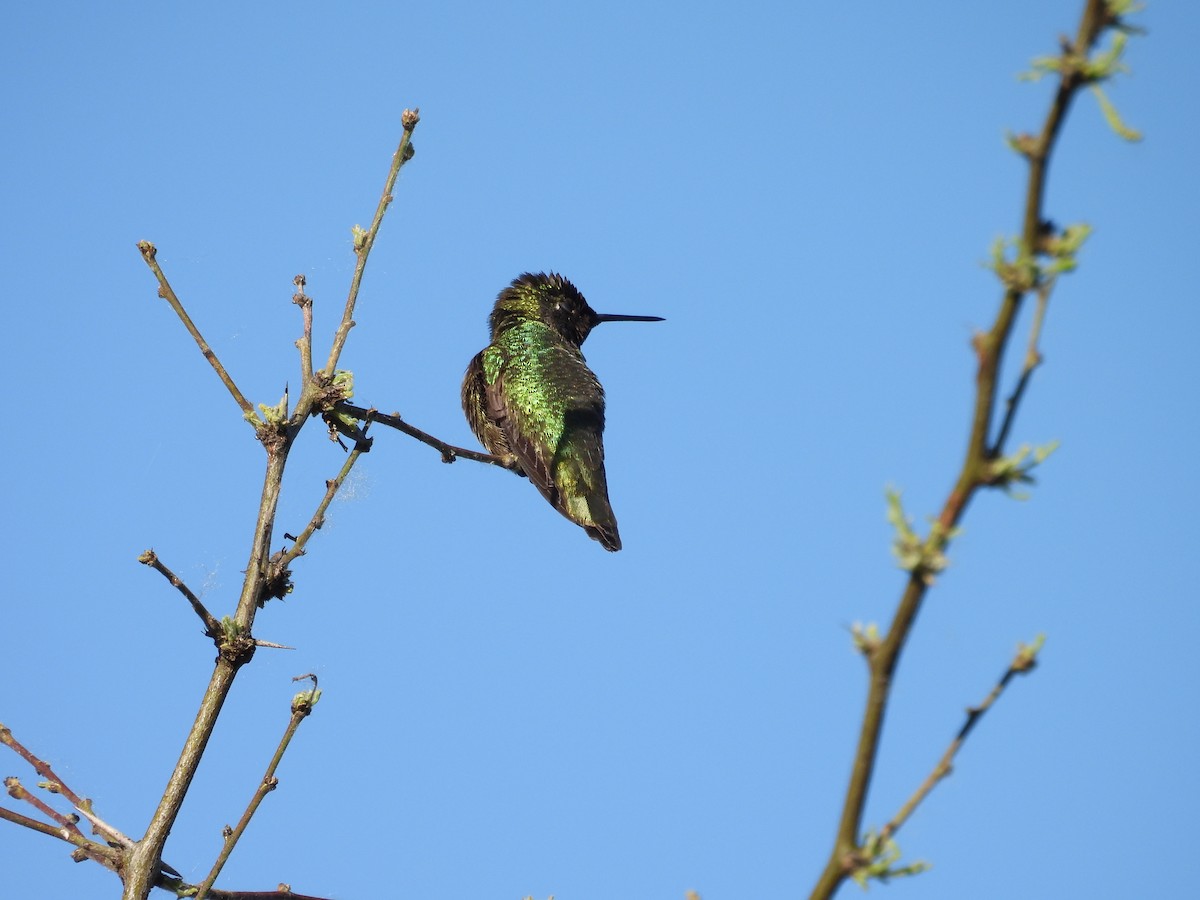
<point>366,240</point>
<point>1022,663</point>
<point>142,869</point>
<point>67,828</point>
<point>271,645</point>
<point>305,303</point>
<point>318,517</point>
<point>108,857</point>
<point>844,856</point>
<point>54,784</point>
<point>17,818</point>
<point>449,452</point>
<point>182,889</point>
<point>302,707</point>
<point>149,251</point>
<point>18,791</point>
<point>101,827</point>
<point>1033,359</point>
<point>212,627</point>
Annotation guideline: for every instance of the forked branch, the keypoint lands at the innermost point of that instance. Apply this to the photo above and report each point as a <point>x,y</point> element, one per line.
<point>979,469</point>
<point>264,578</point>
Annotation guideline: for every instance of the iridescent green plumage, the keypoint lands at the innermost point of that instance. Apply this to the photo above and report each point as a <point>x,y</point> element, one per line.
<point>530,397</point>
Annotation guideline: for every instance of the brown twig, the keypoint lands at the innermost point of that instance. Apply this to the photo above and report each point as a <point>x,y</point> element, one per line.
<point>1033,359</point>
<point>1023,662</point>
<point>142,869</point>
<point>53,783</point>
<point>67,829</point>
<point>99,826</point>
<point>302,706</point>
<point>10,815</point>
<point>318,517</point>
<point>109,857</point>
<point>844,857</point>
<point>449,452</point>
<point>149,252</point>
<point>305,303</point>
<point>182,889</point>
<point>364,241</point>
<point>18,791</point>
<point>271,645</point>
<point>212,627</point>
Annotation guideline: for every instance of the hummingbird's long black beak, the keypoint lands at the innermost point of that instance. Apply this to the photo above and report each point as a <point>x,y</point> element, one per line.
<point>616,317</point>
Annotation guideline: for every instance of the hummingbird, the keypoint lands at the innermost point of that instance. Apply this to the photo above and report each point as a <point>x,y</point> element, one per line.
<point>531,399</point>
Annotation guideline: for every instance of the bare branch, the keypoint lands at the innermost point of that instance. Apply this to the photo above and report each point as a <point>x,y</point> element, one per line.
<point>53,783</point>
<point>67,828</point>
<point>1023,662</point>
<point>365,240</point>
<point>302,707</point>
<point>149,252</point>
<point>182,889</point>
<point>212,627</point>
<point>305,303</point>
<point>318,518</point>
<point>975,473</point>
<point>109,857</point>
<point>1033,359</point>
<point>449,452</point>
<point>263,576</point>
<point>18,791</point>
<point>101,827</point>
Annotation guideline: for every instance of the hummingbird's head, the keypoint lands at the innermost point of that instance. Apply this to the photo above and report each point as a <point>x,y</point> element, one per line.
<point>554,301</point>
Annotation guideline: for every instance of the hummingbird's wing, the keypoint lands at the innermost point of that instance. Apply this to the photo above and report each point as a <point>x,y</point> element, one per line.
<point>550,409</point>
<point>479,416</point>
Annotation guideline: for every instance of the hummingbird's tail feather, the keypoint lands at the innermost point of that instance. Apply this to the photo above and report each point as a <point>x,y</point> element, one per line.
<point>593,511</point>
<point>581,488</point>
<point>607,536</point>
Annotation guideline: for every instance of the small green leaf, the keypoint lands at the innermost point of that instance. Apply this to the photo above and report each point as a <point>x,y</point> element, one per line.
<point>1021,272</point>
<point>308,698</point>
<point>865,637</point>
<point>1026,657</point>
<point>1041,66</point>
<point>1113,118</point>
<point>1017,468</point>
<point>879,854</point>
<point>914,554</point>
<point>1107,63</point>
<point>275,415</point>
<point>344,379</point>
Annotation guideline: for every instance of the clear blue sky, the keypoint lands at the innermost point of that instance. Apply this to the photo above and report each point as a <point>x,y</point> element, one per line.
<point>806,192</point>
